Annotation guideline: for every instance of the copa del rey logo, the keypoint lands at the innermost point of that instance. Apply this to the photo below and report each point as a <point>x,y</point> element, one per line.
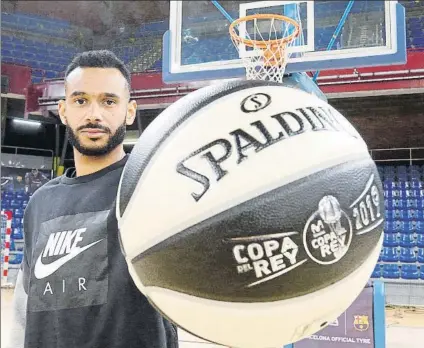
<point>266,256</point>
<point>325,238</point>
<point>328,232</point>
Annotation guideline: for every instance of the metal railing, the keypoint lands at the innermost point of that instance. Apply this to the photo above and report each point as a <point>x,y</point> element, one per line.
<point>29,151</point>
<point>410,155</point>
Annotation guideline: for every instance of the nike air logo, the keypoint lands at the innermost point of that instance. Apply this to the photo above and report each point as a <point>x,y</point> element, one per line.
<point>42,271</point>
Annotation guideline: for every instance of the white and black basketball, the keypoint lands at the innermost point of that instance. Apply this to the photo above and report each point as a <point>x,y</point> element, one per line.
<point>250,214</point>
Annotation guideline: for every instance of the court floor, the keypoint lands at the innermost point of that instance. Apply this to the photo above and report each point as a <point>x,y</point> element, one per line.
<point>405,327</point>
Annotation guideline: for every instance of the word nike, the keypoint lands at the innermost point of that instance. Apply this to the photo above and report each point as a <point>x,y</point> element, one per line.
<point>60,243</point>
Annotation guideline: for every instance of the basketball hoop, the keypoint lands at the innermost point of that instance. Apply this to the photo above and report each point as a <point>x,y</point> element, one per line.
<point>265,58</point>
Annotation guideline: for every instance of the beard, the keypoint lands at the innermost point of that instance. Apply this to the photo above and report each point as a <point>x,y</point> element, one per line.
<point>114,140</point>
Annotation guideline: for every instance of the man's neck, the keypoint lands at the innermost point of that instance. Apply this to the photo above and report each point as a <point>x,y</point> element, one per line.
<point>86,165</point>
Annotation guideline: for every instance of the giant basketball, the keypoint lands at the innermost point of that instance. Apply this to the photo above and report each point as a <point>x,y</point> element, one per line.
<point>250,214</point>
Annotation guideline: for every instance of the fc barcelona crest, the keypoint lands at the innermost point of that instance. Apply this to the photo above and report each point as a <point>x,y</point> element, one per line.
<point>361,322</point>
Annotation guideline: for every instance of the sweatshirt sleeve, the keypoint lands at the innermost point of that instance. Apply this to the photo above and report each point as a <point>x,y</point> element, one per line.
<point>20,296</point>
<point>18,319</point>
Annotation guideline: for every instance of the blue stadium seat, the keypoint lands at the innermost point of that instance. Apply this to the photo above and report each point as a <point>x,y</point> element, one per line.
<point>24,204</point>
<point>17,233</point>
<point>17,40</point>
<point>19,244</point>
<point>407,255</point>
<point>28,55</point>
<point>412,193</point>
<point>15,258</point>
<point>35,79</point>
<point>9,21</point>
<point>409,272</point>
<point>54,60</point>
<point>18,213</point>
<point>51,74</point>
<point>9,195</point>
<point>390,254</point>
<point>6,52</point>
<point>45,65</point>
<point>12,245</point>
<point>401,169</point>
<point>56,67</point>
<point>377,271</point>
<point>415,227</point>
<point>5,39</point>
<point>398,193</point>
<point>16,222</point>
<point>420,255</point>
<point>380,256</point>
<point>15,204</point>
<point>388,227</point>
<point>415,214</point>
<point>41,57</point>
<point>396,203</point>
<point>391,271</point>
<point>407,241</point>
<point>20,194</point>
<point>389,176</point>
<point>389,169</point>
<point>418,41</point>
<point>422,272</point>
<point>395,214</point>
<point>5,204</point>
<point>412,203</point>
<point>413,184</point>
<point>390,240</point>
<point>420,240</point>
<point>7,45</point>
<point>414,169</point>
<point>415,176</point>
<point>403,176</point>
<point>37,72</point>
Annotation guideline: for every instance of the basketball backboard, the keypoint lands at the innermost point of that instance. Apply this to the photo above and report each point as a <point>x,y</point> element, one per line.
<point>198,46</point>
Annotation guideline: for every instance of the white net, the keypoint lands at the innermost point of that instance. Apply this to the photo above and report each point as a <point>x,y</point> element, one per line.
<point>263,43</point>
<point>5,223</point>
<point>3,236</point>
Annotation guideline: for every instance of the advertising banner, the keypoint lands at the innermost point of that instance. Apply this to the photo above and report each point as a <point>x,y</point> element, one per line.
<point>353,329</point>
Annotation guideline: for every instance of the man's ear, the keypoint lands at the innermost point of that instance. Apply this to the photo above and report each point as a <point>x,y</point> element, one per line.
<point>131,112</point>
<point>61,109</point>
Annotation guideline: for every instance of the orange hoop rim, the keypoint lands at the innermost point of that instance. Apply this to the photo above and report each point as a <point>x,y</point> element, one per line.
<point>264,43</point>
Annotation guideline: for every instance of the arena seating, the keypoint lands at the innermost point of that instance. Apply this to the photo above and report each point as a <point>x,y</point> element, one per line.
<point>15,201</point>
<point>140,53</point>
<point>44,44</point>
<point>402,255</point>
<point>47,45</point>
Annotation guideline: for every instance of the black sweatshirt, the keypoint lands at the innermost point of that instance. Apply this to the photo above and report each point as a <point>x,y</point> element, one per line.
<point>80,293</point>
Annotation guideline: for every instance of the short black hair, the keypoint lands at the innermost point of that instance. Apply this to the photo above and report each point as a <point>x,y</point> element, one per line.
<point>99,59</point>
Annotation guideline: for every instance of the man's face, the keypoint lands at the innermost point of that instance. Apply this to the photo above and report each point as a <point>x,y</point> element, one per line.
<point>96,110</point>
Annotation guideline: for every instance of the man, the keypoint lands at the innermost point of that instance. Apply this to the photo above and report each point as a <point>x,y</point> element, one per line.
<point>34,180</point>
<point>74,288</point>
